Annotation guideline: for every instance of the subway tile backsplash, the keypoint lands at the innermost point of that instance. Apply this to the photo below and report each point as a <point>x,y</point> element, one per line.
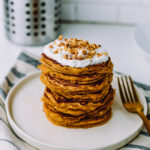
<point>96,13</point>
<point>69,11</point>
<point>134,14</point>
<point>103,11</point>
<point>106,11</point>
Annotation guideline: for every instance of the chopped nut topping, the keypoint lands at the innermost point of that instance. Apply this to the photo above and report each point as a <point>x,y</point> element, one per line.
<point>50,46</point>
<point>98,54</point>
<point>71,51</point>
<point>59,45</point>
<point>86,42</point>
<point>60,37</point>
<point>105,53</point>
<point>77,48</point>
<point>84,52</point>
<point>65,56</point>
<point>70,58</point>
<point>75,39</point>
<point>93,52</point>
<point>62,44</point>
<point>65,39</point>
<point>65,48</point>
<point>76,53</point>
<point>80,57</point>
<point>55,52</point>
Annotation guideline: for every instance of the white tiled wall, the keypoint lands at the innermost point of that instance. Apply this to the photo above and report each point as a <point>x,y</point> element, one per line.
<point>94,12</point>
<point>1,11</point>
<point>107,11</point>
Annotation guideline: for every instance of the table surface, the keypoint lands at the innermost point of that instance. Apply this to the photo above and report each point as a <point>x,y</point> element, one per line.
<point>118,40</point>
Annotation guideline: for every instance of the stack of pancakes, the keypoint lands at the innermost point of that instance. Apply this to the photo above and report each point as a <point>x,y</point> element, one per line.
<point>77,97</point>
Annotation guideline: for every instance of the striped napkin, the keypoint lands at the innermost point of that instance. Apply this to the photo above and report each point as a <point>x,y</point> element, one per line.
<point>26,63</point>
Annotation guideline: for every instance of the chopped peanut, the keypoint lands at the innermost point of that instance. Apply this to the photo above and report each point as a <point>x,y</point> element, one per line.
<point>65,56</point>
<point>62,44</point>
<point>84,52</point>
<point>98,54</point>
<point>50,46</point>
<point>105,53</point>
<point>80,57</point>
<point>74,47</point>
<point>55,52</point>
<point>60,37</point>
<point>65,39</point>
<point>59,45</point>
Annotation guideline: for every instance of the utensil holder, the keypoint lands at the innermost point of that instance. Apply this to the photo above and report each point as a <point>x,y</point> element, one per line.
<point>32,22</point>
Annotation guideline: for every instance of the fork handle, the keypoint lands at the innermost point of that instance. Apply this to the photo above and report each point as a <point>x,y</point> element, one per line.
<point>145,121</point>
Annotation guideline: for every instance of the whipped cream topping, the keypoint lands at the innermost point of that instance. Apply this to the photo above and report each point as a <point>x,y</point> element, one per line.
<point>56,51</point>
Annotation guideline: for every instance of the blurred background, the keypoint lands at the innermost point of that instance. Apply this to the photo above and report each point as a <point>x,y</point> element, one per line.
<point>29,24</point>
<point>103,11</point>
<point>36,22</point>
<point>106,11</point>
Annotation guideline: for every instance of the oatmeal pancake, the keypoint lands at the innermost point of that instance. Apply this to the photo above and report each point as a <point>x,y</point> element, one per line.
<point>61,86</point>
<point>68,119</point>
<point>88,121</point>
<point>87,99</point>
<point>80,79</point>
<point>76,116</point>
<point>93,97</point>
<point>77,108</point>
<point>105,67</point>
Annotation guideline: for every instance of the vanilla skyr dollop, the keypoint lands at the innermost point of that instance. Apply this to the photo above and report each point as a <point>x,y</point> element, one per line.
<point>75,53</point>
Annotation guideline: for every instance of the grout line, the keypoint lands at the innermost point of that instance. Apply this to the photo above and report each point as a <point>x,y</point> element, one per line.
<point>96,23</point>
<point>104,2</point>
<point>95,1</point>
<point>76,10</point>
<point>118,14</point>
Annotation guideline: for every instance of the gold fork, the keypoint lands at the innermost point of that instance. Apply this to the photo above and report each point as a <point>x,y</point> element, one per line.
<point>131,100</point>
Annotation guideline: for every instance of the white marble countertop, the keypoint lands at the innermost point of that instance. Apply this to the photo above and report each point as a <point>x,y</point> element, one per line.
<point>118,40</point>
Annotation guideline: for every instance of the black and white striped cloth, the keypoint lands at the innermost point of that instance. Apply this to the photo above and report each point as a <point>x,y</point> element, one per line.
<point>26,63</point>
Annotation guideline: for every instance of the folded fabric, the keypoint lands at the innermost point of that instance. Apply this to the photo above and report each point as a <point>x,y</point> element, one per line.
<point>27,63</point>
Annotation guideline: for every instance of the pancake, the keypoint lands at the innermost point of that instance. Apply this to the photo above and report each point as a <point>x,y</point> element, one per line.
<point>88,121</point>
<point>61,87</point>
<point>72,114</point>
<point>93,97</point>
<point>86,125</point>
<point>67,119</point>
<point>77,108</point>
<point>86,105</point>
<point>61,99</point>
<point>105,67</point>
<point>80,79</point>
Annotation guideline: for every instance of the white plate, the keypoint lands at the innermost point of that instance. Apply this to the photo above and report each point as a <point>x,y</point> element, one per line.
<point>25,115</point>
<point>142,38</point>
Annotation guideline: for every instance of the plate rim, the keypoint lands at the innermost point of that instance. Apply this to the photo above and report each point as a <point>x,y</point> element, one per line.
<point>38,143</point>
<point>134,38</point>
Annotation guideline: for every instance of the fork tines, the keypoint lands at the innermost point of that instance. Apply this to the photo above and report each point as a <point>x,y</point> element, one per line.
<point>127,90</point>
